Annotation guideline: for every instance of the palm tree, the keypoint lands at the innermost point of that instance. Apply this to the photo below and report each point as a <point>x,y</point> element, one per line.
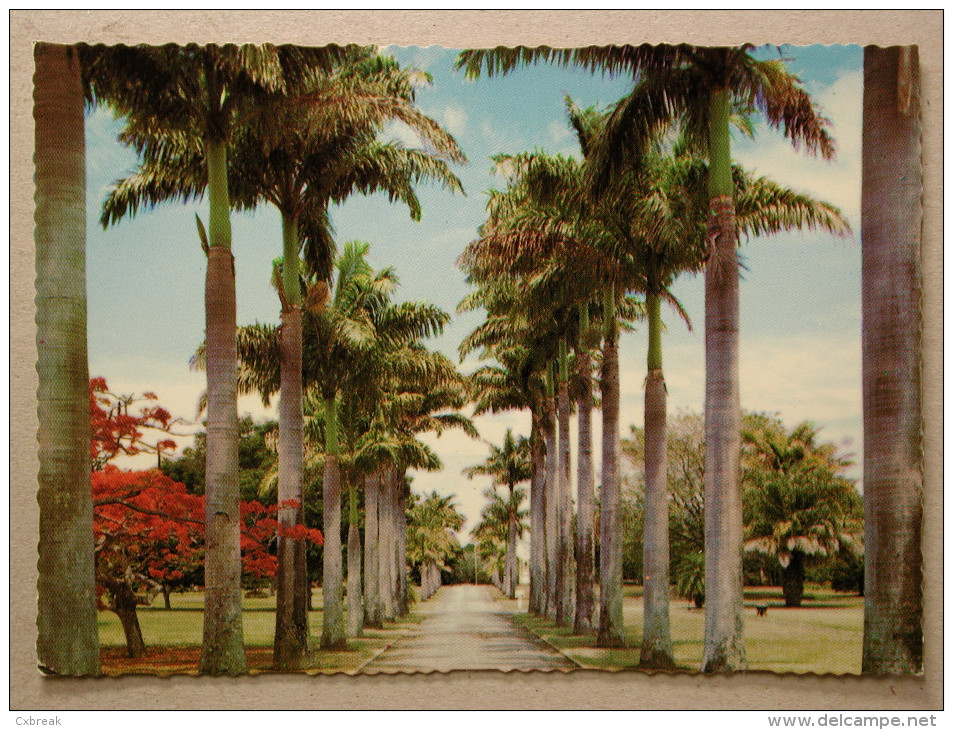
<point>546,229</point>
<point>68,637</point>
<point>699,86</point>
<point>890,223</point>
<point>301,158</point>
<point>513,384</point>
<point>798,505</point>
<point>177,99</point>
<point>431,539</point>
<point>509,465</point>
<point>502,523</point>
<point>517,241</point>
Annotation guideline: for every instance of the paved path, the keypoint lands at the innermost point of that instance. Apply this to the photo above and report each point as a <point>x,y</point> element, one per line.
<point>465,628</point>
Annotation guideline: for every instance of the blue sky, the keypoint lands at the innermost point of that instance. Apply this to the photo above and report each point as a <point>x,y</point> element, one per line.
<point>800,295</point>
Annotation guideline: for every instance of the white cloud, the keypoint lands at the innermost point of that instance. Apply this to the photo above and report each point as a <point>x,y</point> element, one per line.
<point>558,131</point>
<point>455,119</point>
<point>400,132</point>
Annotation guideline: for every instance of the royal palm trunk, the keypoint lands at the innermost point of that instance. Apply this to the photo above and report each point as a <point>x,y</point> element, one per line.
<point>510,576</point>
<point>585,548</point>
<point>291,624</point>
<point>551,500</point>
<point>333,634</point>
<point>223,649</point>
<point>890,221</point>
<point>611,625</point>
<point>537,528</point>
<point>386,529</point>
<point>724,626</point>
<point>566,576</point>
<point>400,553</point>
<point>656,633</point>
<point>355,607</point>
<point>372,603</point>
<point>68,639</point>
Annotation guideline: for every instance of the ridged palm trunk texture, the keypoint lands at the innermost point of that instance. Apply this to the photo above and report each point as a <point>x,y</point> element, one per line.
<point>386,528</point>
<point>566,576</point>
<point>537,526</point>
<point>333,634</point>
<point>890,221</point>
<point>724,626</point>
<point>611,625</point>
<point>656,632</point>
<point>510,577</point>
<point>400,553</point>
<point>372,602</point>
<point>355,603</point>
<point>551,505</point>
<point>585,547</point>
<point>68,639</point>
<point>291,633</point>
<point>223,649</point>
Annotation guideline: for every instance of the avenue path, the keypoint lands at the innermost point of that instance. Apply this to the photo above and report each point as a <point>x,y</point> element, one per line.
<point>465,628</point>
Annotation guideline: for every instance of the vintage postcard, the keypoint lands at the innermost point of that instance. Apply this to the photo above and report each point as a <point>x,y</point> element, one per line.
<point>587,360</point>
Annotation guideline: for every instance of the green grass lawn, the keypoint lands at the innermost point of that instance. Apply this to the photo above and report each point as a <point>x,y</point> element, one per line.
<point>173,638</point>
<point>824,636</point>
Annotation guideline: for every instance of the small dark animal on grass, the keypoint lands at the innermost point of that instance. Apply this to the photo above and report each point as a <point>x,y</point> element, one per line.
<point>762,610</point>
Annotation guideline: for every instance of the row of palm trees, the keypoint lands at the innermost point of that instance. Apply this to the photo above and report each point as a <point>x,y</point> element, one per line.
<point>656,195</point>
<point>188,109</point>
<point>297,128</point>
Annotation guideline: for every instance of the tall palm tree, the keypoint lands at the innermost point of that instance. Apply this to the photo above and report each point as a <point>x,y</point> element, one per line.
<point>68,637</point>
<point>431,539</point>
<point>502,524</point>
<point>508,465</point>
<point>513,384</point>
<point>890,232</point>
<point>194,97</point>
<point>700,86</point>
<point>301,157</point>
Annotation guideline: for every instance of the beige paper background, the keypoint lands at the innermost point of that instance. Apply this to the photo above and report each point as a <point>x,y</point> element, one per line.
<point>485,690</point>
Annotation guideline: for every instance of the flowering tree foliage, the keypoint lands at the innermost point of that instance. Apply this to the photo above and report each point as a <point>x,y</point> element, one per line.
<point>117,431</point>
<point>148,528</point>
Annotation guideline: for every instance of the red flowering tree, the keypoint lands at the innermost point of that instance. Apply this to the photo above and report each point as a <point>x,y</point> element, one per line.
<point>121,424</point>
<point>149,529</point>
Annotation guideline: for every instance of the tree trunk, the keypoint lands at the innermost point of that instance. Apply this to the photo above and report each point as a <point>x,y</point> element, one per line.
<point>68,638</point>
<point>566,578</point>
<point>724,626</point>
<point>656,633</point>
<point>355,608</point>
<point>223,650</point>
<point>124,606</point>
<point>333,634</point>
<point>537,512</point>
<point>400,557</point>
<point>611,625</point>
<point>792,580</point>
<point>551,505</point>
<point>372,603</point>
<point>386,528</point>
<point>166,598</point>
<point>291,635</point>
<point>585,548</point>
<point>890,223</point>
<point>512,578</point>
